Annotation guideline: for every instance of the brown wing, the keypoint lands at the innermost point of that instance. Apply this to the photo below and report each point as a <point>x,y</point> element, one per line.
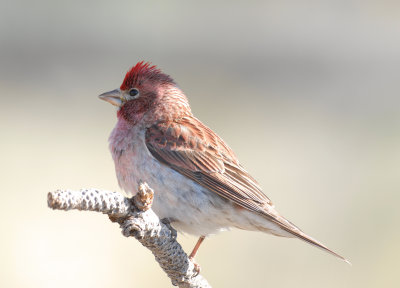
<point>194,150</point>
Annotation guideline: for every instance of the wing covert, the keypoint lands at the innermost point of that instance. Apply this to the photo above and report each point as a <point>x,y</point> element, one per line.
<point>194,150</point>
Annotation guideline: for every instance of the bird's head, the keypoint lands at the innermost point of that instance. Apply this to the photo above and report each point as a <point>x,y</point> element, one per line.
<point>148,95</point>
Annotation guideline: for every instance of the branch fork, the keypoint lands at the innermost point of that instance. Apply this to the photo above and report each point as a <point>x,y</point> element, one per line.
<point>136,219</point>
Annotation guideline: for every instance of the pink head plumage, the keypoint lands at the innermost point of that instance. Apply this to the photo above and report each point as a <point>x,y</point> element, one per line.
<point>144,71</point>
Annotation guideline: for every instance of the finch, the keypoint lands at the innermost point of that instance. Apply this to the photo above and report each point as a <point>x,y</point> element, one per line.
<point>199,184</point>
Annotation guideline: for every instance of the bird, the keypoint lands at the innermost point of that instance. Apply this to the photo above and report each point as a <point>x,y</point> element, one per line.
<point>200,186</point>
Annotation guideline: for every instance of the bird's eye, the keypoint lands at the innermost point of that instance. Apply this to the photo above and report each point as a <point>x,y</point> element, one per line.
<point>133,92</point>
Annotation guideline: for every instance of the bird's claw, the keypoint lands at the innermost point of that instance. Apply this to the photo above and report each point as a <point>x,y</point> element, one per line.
<point>196,268</point>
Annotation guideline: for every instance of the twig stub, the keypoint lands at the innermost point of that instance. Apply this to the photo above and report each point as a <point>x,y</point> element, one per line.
<point>144,198</point>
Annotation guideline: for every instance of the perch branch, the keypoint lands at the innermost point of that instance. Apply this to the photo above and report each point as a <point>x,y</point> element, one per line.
<point>137,219</point>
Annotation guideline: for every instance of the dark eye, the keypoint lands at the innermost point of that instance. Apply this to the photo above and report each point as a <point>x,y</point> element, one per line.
<point>133,92</point>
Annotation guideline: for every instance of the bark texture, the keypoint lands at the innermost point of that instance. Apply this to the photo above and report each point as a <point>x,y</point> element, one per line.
<point>136,219</point>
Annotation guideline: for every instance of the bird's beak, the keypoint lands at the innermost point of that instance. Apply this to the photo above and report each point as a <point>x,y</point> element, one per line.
<point>115,97</point>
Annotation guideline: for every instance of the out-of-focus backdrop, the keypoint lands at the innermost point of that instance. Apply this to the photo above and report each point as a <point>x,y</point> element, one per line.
<point>306,92</point>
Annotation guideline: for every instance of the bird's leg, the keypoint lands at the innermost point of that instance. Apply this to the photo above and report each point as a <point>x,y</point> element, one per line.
<point>194,251</point>
<point>196,247</point>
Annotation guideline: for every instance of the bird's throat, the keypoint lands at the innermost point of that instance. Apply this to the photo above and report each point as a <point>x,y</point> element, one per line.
<point>134,110</point>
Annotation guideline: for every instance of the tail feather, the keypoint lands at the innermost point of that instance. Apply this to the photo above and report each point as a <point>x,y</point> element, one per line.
<point>312,241</point>
<point>292,229</point>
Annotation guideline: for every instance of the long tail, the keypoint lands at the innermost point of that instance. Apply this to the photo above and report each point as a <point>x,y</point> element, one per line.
<point>292,229</point>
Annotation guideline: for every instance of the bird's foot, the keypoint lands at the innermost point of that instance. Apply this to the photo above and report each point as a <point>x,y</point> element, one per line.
<point>197,267</point>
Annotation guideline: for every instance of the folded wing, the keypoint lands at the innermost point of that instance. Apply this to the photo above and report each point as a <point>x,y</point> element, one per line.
<point>194,150</point>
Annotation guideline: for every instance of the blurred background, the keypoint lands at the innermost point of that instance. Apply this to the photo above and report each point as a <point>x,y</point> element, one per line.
<point>305,92</point>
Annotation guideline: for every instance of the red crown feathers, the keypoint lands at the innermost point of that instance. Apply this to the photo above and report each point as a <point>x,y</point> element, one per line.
<point>144,71</point>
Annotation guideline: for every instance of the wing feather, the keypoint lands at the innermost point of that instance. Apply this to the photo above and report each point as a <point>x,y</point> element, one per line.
<point>195,151</point>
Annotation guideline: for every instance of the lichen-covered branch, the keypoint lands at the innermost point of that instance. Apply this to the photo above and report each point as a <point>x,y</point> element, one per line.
<point>138,220</point>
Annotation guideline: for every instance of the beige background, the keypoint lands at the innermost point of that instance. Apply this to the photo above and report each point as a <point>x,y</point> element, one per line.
<point>306,93</point>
